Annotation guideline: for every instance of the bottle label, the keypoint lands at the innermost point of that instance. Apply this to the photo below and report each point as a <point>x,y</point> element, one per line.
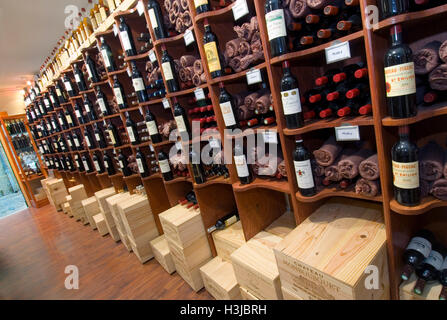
<point>97,167</point>
<point>112,138</point>
<point>152,128</point>
<point>420,245</point>
<point>77,143</point>
<point>86,165</point>
<point>181,126</point>
<point>138,84</point>
<point>89,71</point>
<point>69,143</point>
<point>106,59</point>
<point>87,108</point>
<point>400,80</point>
<point>131,134</point>
<point>276,25</point>
<point>78,114</point>
<point>140,166</point>
<point>406,175</point>
<point>230,221</point>
<point>106,165</point>
<point>227,113</point>
<point>69,119</point>
<point>435,259</point>
<point>58,92</point>
<point>47,103</point>
<point>126,41</point>
<point>198,3</point>
<point>153,18</point>
<point>167,71</point>
<point>98,138</point>
<point>212,56</point>
<point>102,105</point>
<point>61,122</point>
<point>118,95</point>
<point>241,166</point>
<point>88,141</point>
<point>121,164</point>
<point>291,102</point>
<point>304,176</point>
<point>53,100</point>
<point>77,78</point>
<point>164,166</point>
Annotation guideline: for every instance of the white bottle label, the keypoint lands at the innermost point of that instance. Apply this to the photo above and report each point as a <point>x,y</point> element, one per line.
<point>181,126</point>
<point>276,25</point>
<point>106,59</point>
<point>58,92</point>
<point>61,122</point>
<point>53,100</point>
<point>164,166</point>
<point>400,80</point>
<point>69,143</point>
<point>121,164</point>
<point>152,128</point>
<point>435,259</point>
<point>89,71</point>
<point>68,117</point>
<point>131,134</point>
<point>112,138</point>
<point>86,165</point>
<point>47,103</point>
<point>118,95</point>
<point>102,105</point>
<point>77,142</point>
<point>87,108</point>
<point>106,165</point>
<point>153,18</point>
<point>227,113</point>
<point>406,175</point>
<point>98,138</point>
<point>77,78</point>
<point>78,114</point>
<point>88,141</point>
<point>126,41</point>
<point>167,71</point>
<point>304,177</point>
<point>420,245</point>
<point>97,167</point>
<point>291,102</point>
<point>140,166</point>
<point>138,84</point>
<point>241,166</point>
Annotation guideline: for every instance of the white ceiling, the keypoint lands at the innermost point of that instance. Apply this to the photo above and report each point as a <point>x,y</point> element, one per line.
<point>29,30</point>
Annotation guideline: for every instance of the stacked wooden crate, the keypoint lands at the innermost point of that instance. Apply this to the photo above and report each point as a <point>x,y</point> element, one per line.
<point>91,209</point>
<point>188,243</point>
<point>228,240</point>
<point>102,196</point>
<point>162,253</point>
<point>66,206</point>
<point>101,224</point>
<point>56,191</point>
<point>78,194</point>
<point>139,225</point>
<point>220,281</point>
<point>339,252</point>
<point>282,226</point>
<point>112,204</point>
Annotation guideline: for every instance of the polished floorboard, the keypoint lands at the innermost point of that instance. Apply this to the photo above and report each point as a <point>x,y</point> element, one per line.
<point>36,245</point>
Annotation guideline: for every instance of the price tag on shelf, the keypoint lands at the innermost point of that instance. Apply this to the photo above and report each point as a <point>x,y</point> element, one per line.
<point>338,52</point>
<point>178,145</point>
<point>200,94</point>
<point>115,30</point>
<point>140,8</point>
<point>347,133</point>
<point>254,76</point>
<point>188,37</point>
<point>214,143</point>
<point>166,104</point>
<point>271,137</point>
<point>240,9</point>
<point>152,56</point>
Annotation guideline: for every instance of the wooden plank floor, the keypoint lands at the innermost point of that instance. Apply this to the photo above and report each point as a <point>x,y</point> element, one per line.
<point>37,244</point>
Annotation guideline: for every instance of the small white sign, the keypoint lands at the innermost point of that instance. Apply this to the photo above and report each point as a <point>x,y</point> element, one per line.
<point>188,37</point>
<point>254,76</point>
<point>200,94</point>
<point>152,56</point>
<point>347,133</point>
<point>166,104</point>
<point>214,143</point>
<point>240,9</point>
<point>338,52</point>
<point>140,8</point>
<point>271,137</point>
<point>115,30</point>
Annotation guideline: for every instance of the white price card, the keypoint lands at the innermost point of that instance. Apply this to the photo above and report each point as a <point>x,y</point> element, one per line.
<point>254,76</point>
<point>152,56</point>
<point>200,94</point>
<point>214,143</point>
<point>115,30</point>
<point>338,52</point>
<point>188,37</point>
<point>178,145</point>
<point>240,9</point>
<point>271,137</point>
<point>140,8</point>
<point>166,104</point>
<point>347,133</point>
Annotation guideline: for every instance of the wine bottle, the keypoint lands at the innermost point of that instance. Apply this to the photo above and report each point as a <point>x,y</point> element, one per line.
<point>68,86</point>
<point>79,114</point>
<point>113,135</point>
<point>242,168</point>
<point>77,142</point>
<point>141,162</point>
<point>197,168</point>
<point>97,163</point>
<point>86,163</point>
<point>88,139</point>
<point>353,23</point>
<point>180,119</point>
<point>428,271</point>
<point>165,167</point>
<point>404,155</point>
<point>99,136</point>
<point>417,251</point>
<point>225,222</point>
<point>102,102</point>
<point>89,109</point>
<point>211,47</point>
<point>60,93</point>
<point>201,6</point>
<point>167,65</point>
<point>138,84</point>
<point>389,8</point>
<point>108,164</point>
<point>132,130</point>
<point>126,38</point>
<point>79,78</point>
<point>119,93</point>
<point>291,100</point>
<point>53,98</point>
<point>69,118</point>
<point>399,77</point>
<point>91,68</point>
<point>156,18</point>
<point>276,27</point>
<point>152,127</point>
<point>227,108</point>
<point>47,102</point>
<point>107,55</point>
<point>303,170</point>
<point>79,164</point>
<point>124,165</point>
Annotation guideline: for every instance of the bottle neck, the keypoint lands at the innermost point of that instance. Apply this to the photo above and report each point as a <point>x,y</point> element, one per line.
<point>396,38</point>
<point>404,136</point>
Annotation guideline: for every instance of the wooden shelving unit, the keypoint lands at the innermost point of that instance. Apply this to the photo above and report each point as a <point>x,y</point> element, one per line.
<point>262,201</point>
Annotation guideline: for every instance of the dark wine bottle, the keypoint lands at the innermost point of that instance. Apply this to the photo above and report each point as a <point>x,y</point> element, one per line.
<point>197,168</point>
<point>227,108</point>
<point>211,47</point>
<point>242,168</point>
<point>156,18</point>
<point>276,27</point>
<point>417,251</point>
<point>428,271</point>
<point>389,8</point>
<point>138,84</point>
<point>201,6</point>
<point>108,164</point>
<point>69,86</point>
<point>141,162</point>
<point>152,127</point>
<point>107,55</point>
<point>303,170</point>
<point>404,155</point>
<point>99,137</point>
<point>79,163</point>
<point>86,163</point>
<point>167,65</point>
<point>113,135</point>
<point>181,119</point>
<point>79,78</point>
<point>99,167</point>
<point>79,114</point>
<point>89,109</point>
<point>291,100</point>
<point>132,131</point>
<point>119,93</point>
<point>91,68</point>
<point>124,164</point>
<point>400,78</point>
<point>165,168</point>
<point>126,38</point>
<point>60,93</point>
<point>102,102</point>
<point>225,222</point>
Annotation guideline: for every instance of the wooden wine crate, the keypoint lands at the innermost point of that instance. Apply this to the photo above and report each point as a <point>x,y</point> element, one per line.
<point>431,291</point>
<point>91,208</point>
<point>78,193</point>
<point>115,222</point>
<point>194,255</point>
<point>247,295</point>
<point>143,252</point>
<point>162,253</point>
<point>288,295</point>
<point>124,240</point>
<point>191,276</point>
<point>282,226</point>
<point>101,224</point>
<point>182,225</point>
<point>65,207</point>
<point>228,240</point>
<point>328,255</point>
<point>219,280</point>
<point>255,266</point>
<point>102,196</point>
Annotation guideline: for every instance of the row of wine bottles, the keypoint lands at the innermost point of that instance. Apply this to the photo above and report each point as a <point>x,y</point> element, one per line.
<point>389,8</point>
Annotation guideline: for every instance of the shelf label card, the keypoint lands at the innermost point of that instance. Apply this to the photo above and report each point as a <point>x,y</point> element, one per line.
<point>188,37</point>
<point>240,9</point>
<point>152,56</point>
<point>140,8</point>
<point>115,30</point>
<point>166,104</point>
<point>338,52</point>
<point>254,76</point>
<point>199,94</point>
<point>271,137</point>
<point>347,133</point>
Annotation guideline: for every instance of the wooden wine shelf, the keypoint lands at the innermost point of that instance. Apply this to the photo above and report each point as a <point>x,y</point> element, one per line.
<point>137,57</point>
<point>185,92</point>
<point>179,179</point>
<point>81,93</point>
<point>330,123</point>
<point>218,180</point>
<point>423,114</point>
<point>117,72</point>
<point>152,177</point>
<point>151,102</point>
<point>141,145</point>
<point>250,131</point>
<point>426,205</point>
<point>237,76</point>
<point>171,41</point>
<point>315,50</point>
<point>163,143</point>
<point>133,176</point>
<point>217,16</point>
<point>265,183</point>
<point>328,192</point>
